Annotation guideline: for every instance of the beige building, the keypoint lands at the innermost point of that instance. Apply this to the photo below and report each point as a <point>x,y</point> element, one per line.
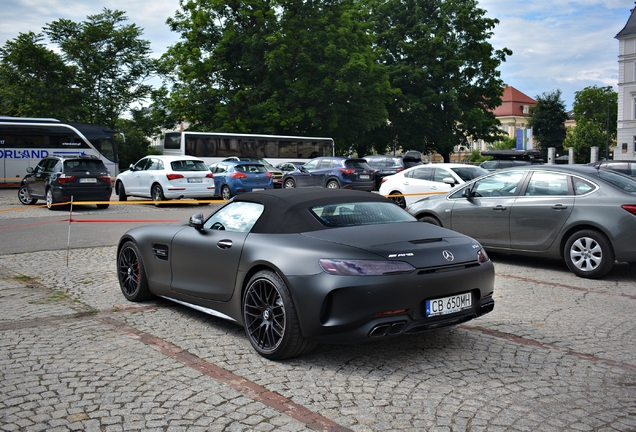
<point>626,133</point>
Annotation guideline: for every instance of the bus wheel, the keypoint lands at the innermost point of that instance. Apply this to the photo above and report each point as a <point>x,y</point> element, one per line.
<point>25,197</point>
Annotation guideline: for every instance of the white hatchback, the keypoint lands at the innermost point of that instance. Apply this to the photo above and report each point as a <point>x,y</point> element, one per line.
<point>166,177</point>
<point>416,182</point>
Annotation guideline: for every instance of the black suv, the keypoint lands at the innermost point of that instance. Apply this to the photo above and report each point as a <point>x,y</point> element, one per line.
<point>60,179</point>
<point>386,165</point>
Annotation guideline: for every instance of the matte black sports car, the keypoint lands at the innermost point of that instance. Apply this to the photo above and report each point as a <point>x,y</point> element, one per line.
<point>296,268</point>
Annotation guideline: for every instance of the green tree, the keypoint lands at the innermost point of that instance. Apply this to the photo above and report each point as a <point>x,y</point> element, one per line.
<point>278,66</point>
<point>35,81</point>
<point>582,138</point>
<point>438,55</point>
<point>138,130</point>
<point>111,63</point>
<point>599,106</point>
<point>547,120</point>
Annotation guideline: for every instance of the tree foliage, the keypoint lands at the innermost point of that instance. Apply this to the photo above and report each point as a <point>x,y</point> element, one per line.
<point>598,105</point>
<point>547,120</point>
<point>35,81</point>
<point>276,66</point>
<point>438,56</point>
<point>111,63</point>
<point>582,138</point>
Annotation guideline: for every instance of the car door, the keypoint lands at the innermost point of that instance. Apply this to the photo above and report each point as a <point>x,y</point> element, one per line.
<point>303,177</point>
<point>439,175</point>
<point>417,183</point>
<point>132,178</point>
<point>539,213</point>
<point>485,213</point>
<point>148,175</point>
<point>205,262</point>
<point>37,182</point>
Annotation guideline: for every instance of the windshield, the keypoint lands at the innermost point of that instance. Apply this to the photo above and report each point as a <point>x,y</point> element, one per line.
<point>360,213</point>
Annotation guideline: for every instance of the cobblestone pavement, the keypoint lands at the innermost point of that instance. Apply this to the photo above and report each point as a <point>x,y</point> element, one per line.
<point>558,353</point>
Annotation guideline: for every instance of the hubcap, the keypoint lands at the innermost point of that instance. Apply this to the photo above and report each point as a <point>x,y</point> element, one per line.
<point>586,254</point>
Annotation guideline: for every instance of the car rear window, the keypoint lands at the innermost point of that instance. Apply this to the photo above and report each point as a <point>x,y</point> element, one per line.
<point>622,182</point>
<point>77,165</point>
<point>256,169</point>
<point>360,213</point>
<point>357,163</point>
<point>188,165</point>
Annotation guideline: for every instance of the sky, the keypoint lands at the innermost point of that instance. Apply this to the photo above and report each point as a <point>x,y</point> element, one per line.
<point>562,45</point>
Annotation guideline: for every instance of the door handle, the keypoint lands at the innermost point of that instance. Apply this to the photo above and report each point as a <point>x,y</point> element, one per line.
<point>559,207</point>
<point>224,244</point>
<point>499,208</point>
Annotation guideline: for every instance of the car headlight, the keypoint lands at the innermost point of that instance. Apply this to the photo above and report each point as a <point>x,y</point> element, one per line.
<point>364,267</point>
<point>482,256</point>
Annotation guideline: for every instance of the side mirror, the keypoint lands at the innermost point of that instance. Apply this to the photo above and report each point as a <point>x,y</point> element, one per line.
<point>302,169</point>
<point>467,193</point>
<point>29,170</point>
<point>449,181</point>
<point>131,167</point>
<point>196,221</point>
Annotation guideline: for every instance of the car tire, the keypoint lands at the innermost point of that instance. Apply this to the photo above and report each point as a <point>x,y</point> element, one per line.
<point>430,220</point>
<point>226,193</point>
<point>157,194</point>
<point>102,206</point>
<point>589,254</point>
<point>399,199</point>
<point>121,192</point>
<point>131,273</point>
<point>270,318</point>
<point>50,199</point>
<point>289,184</point>
<point>333,184</point>
<point>25,197</point>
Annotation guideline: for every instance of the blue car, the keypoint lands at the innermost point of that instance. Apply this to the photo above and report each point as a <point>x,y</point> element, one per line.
<point>333,173</point>
<point>235,177</point>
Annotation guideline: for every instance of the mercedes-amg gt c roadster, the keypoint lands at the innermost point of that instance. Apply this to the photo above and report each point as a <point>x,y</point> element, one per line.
<point>297,267</point>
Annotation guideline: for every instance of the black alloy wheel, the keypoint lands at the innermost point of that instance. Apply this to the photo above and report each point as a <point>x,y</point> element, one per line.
<point>398,198</point>
<point>131,273</point>
<point>271,322</point>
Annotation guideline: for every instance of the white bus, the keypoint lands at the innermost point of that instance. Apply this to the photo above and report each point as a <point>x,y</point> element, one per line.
<point>24,141</point>
<point>213,147</point>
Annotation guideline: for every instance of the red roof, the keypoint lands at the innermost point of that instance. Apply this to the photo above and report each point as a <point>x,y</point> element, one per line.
<point>512,103</point>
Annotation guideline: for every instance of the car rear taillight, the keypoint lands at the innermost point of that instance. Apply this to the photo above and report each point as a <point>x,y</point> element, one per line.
<point>347,171</point>
<point>174,176</point>
<point>383,180</point>
<point>65,178</point>
<point>239,175</point>
<point>399,169</point>
<point>209,175</point>
<point>106,178</point>
<point>631,208</point>
<point>268,175</point>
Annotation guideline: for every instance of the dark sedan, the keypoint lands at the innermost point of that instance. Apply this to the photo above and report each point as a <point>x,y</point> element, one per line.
<point>332,173</point>
<point>295,269</point>
<point>585,216</point>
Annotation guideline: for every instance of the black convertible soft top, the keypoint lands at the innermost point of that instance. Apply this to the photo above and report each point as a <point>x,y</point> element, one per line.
<point>287,210</point>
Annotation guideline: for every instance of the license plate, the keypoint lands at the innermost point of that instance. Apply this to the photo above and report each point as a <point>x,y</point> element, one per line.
<point>257,189</point>
<point>195,180</point>
<point>88,180</point>
<point>364,176</point>
<point>448,305</point>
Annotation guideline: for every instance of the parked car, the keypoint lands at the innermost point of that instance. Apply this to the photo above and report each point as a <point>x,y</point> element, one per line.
<point>412,184</point>
<point>583,215</point>
<point>627,167</point>
<point>295,269</point>
<point>62,179</point>
<point>277,173</point>
<point>511,158</point>
<point>289,166</point>
<point>386,165</point>
<point>235,177</point>
<point>165,178</point>
<point>333,173</point>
